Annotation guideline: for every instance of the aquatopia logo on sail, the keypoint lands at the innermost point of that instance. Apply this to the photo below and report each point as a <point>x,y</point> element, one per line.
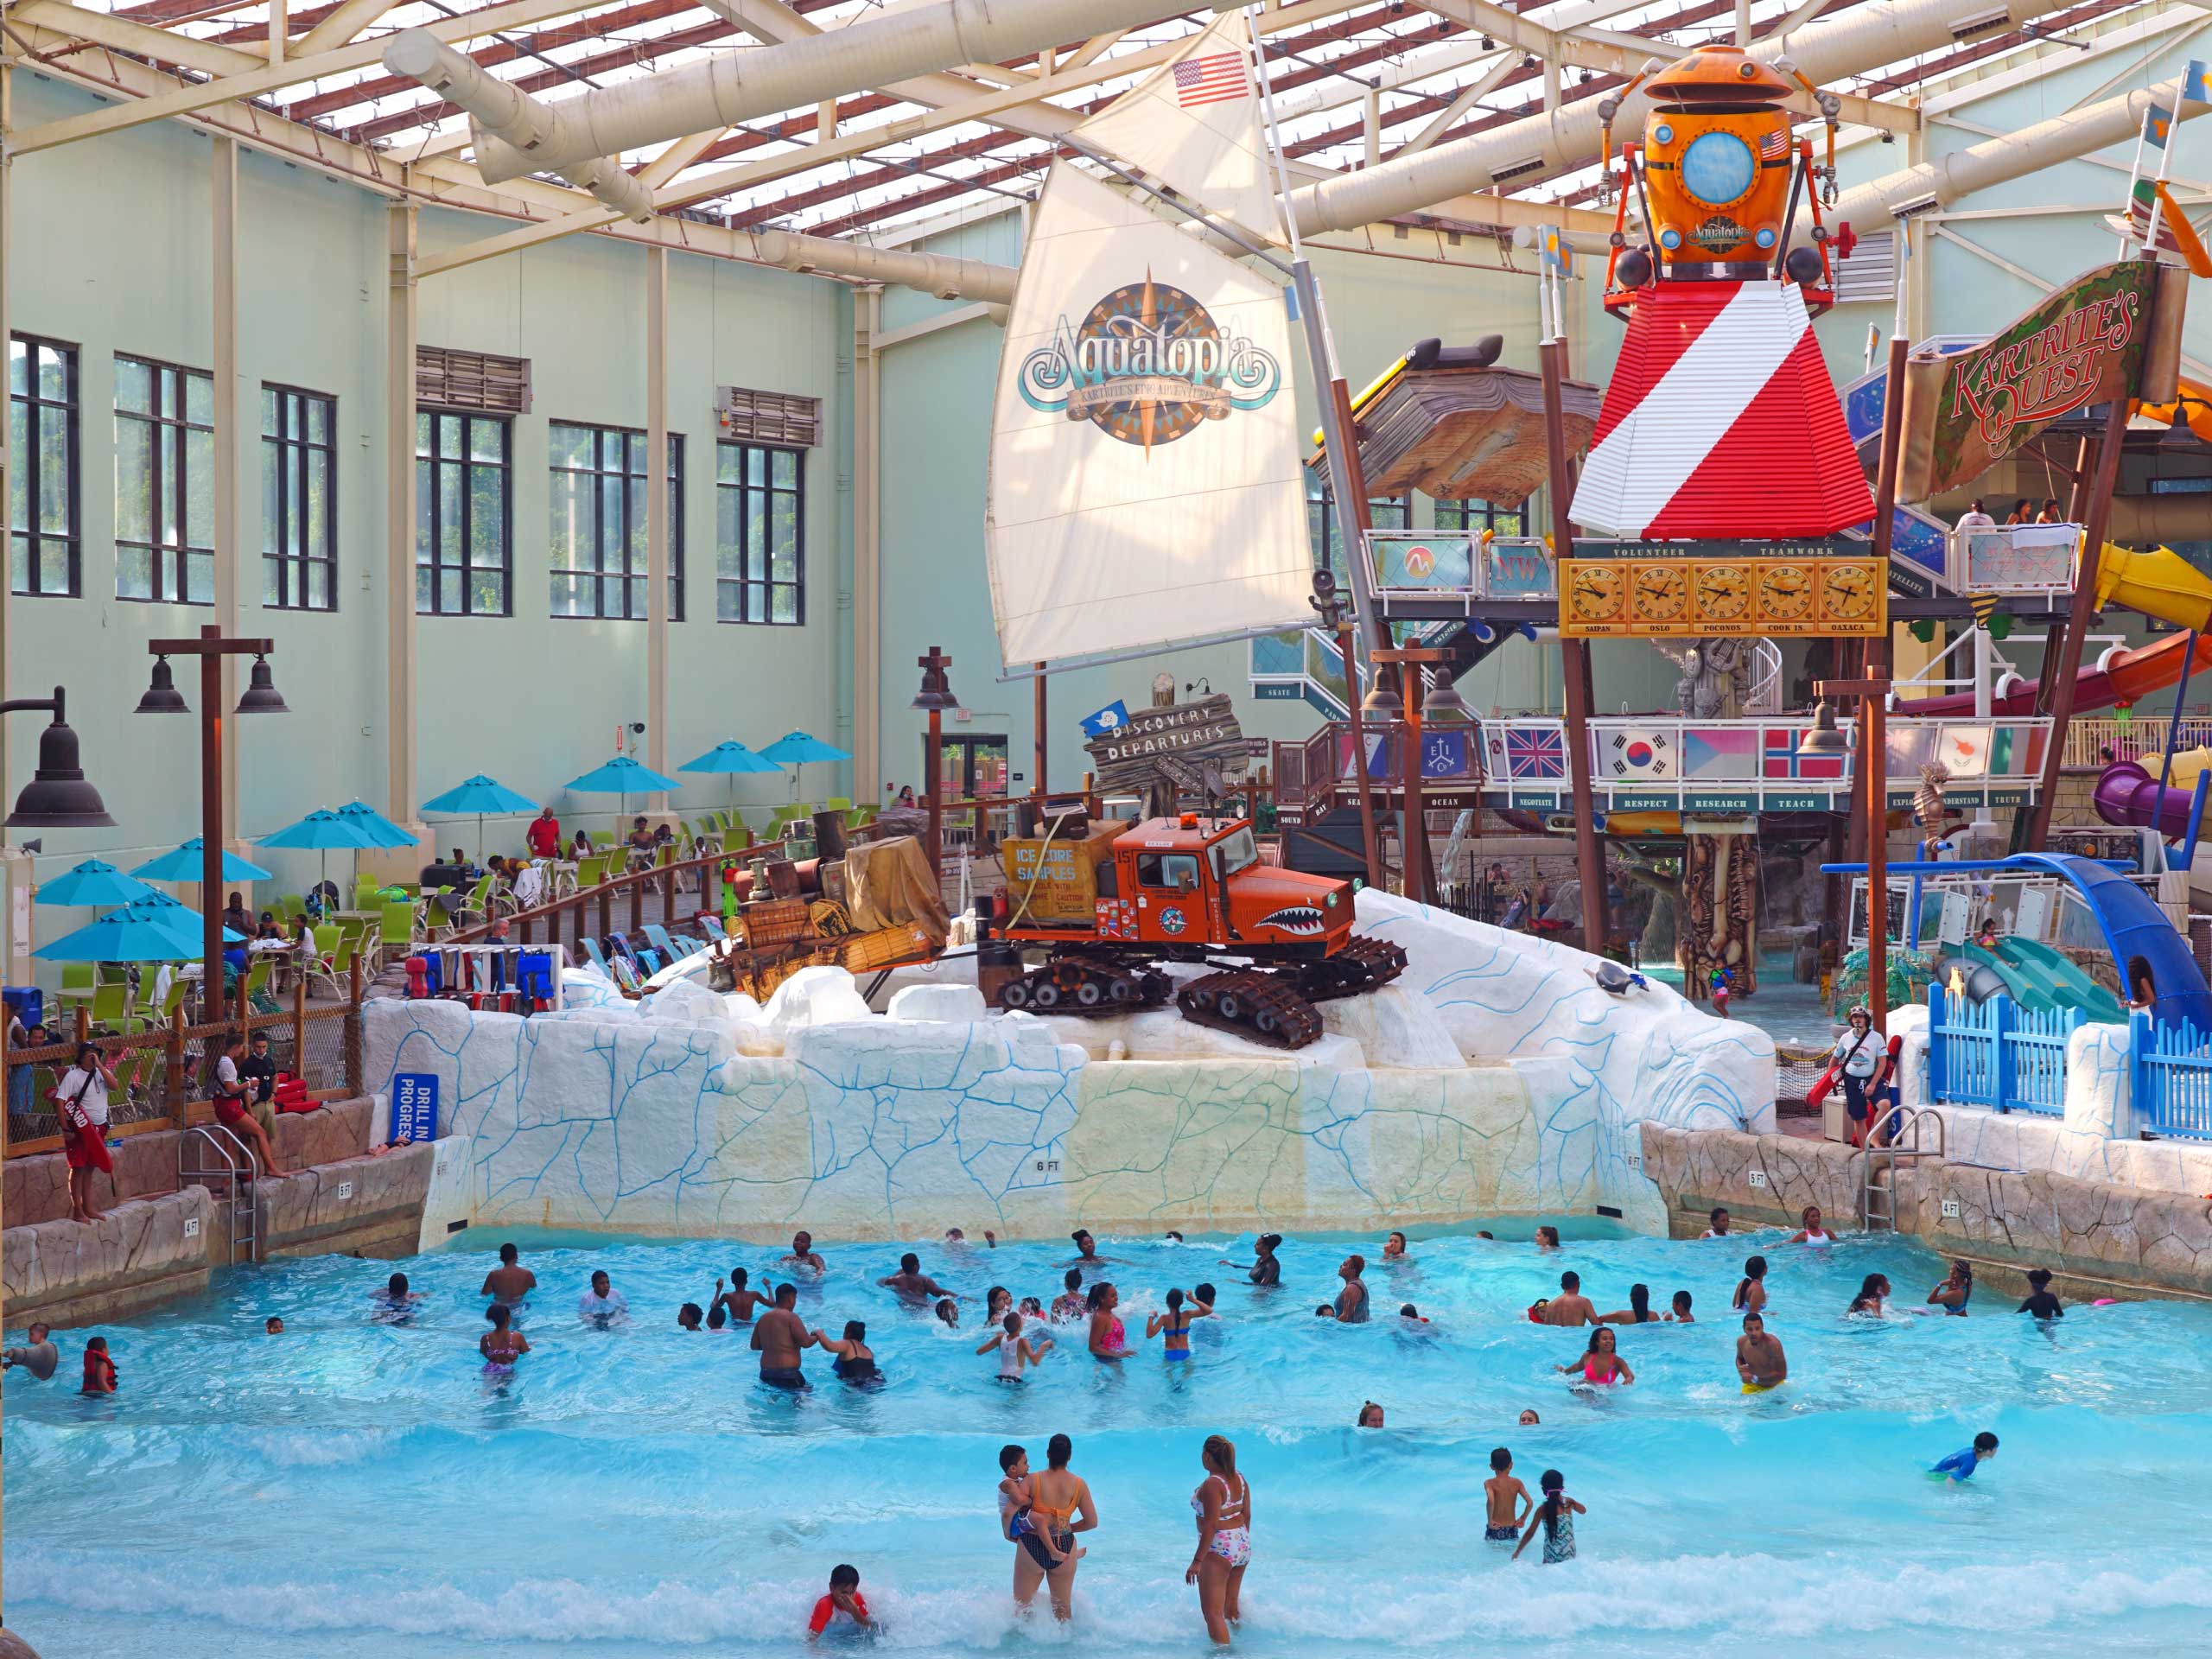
<point>1145,365</point>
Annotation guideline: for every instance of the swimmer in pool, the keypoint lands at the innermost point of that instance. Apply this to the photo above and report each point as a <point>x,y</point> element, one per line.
<point>998,1302</point>
<point>1548,1238</point>
<point>912,1283</point>
<point>1600,1365</point>
<point>1506,1502</point>
<point>1529,1419</point>
<point>1952,1294</point>
<point>1872,1301</point>
<point>509,1283</point>
<point>1351,1300</point>
<point>1174,1326</point>
<point>1014,1512</point>
<point>1716,1223</point>
<point>1680,1314</point>
<point>1086,1251</point>
<point>1031,1308</point>
<point>395,1300</point>
<point>1394,1250</point>
<point>1014,1351</point>
<point>1810,1230</point>
<point>1223,1504</point>
<point>1067,1306</point>
<point>739,1302</point>
<point>274,1327</point>
<point>1570,1306</point>
<point>1555,1515</point>
<point>1266,1270</point>
<point>1371,1416</point>
<point>1750,1289</point>
<point>1960,1465</point>
<point>948,1311</point>
<point>1638,1311</point>
<point>778,1336</point>
<point>803,1257</point>
<point>855,1360</point>
<point>502,1345</point>
<point>2041,1303</point>
<point>1061,1505</point>
<point>1107,1339</point>
<point>690,1317</point>
<point>1759,1362</point>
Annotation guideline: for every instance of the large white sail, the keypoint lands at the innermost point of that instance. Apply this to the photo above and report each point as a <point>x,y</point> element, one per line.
<point>1194,123</point>
<point>1145,484</point>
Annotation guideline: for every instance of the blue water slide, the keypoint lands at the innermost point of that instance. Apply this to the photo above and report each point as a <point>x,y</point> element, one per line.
<point>2135,927</point>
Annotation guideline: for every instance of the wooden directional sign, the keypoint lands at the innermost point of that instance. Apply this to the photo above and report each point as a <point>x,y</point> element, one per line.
<point>1171,745</point>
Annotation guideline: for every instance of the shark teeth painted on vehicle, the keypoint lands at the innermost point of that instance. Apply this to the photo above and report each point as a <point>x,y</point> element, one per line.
<point>1301,919</point>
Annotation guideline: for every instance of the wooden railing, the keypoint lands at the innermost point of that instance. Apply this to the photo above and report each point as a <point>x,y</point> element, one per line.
<point>567,920</point>
<point>162,1069</point>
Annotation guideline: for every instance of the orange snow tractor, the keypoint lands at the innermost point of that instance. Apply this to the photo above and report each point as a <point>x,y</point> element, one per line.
<point>1108,908</point>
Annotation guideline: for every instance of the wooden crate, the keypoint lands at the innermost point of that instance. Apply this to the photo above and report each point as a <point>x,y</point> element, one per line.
<point>1058,880</point>
<point>775,921</point>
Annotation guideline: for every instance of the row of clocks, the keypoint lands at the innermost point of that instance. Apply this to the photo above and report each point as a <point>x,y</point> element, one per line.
<point>1634,597</point>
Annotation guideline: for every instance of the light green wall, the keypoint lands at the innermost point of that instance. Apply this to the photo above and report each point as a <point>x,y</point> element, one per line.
<point>111,252</point>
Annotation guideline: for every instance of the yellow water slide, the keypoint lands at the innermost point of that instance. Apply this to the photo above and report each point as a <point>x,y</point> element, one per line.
<point>2165,585</point>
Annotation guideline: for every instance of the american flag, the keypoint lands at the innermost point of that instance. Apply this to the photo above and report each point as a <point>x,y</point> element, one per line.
<point>1775,145</point>
<point>1211,80</point>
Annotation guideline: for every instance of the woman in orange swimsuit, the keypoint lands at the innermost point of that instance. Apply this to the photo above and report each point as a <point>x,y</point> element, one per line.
<point>1060,1506</point>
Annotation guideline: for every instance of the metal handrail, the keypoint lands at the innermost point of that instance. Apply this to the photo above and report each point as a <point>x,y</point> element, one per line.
<point>226,1144</point>
<point>1909,1120</point>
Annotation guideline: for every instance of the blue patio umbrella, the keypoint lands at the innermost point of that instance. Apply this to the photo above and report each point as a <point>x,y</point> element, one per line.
<point>798,749</point>
<point>623,777</point>
<point>319,831</point>
<point>186,864</point>
<point>384,832</point>
<point>733,758</point>
<point>480,795</point>
<point>144,931</point>
<point>93,882</point>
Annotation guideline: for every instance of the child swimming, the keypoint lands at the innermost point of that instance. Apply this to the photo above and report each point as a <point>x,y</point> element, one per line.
<point>1505,1500</point>
<point>1015,1350</point>
<point>844,1601</point>
<point>1555,1515</point>
<point>1960,1465</point>
<point>502,1345</point>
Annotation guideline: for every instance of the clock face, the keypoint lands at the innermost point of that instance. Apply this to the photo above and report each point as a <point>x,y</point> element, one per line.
<point>1722,593</point>
<point>1594,592</point>
<point>1850,593</point>
<point>1660,593</point>
<point>1785,593</point>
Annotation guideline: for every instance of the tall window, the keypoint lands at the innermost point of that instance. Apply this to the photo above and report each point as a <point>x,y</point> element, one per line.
<point>464,546</point>
<point>299,499</point>
<point>599,522</point>
<point>164,483</point>
<point>759,534</point>
<point>1383,512</point>
<point>43,546</point>
<point>1480,515</point>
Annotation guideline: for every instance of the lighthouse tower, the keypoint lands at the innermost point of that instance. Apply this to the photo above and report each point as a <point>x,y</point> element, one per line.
<point>1719,419</point>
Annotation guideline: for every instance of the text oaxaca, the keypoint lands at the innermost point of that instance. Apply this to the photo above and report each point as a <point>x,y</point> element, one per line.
<point>1147,365</point>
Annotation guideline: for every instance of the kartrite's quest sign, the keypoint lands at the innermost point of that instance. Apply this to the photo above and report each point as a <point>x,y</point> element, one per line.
<point>2111,332</point>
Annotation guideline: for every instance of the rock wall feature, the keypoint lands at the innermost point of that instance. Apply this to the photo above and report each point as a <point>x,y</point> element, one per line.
<point>137,1254</point>
<point>1494,1077</point>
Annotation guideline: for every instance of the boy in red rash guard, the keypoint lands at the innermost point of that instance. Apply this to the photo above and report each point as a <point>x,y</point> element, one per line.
<point>844,1598</point>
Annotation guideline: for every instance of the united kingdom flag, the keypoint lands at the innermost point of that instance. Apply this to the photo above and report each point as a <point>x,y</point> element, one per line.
<point>1535,752</point>
<point>1782,760</point>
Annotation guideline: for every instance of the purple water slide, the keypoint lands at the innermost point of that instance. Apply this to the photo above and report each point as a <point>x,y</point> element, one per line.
<point>2127,794</point>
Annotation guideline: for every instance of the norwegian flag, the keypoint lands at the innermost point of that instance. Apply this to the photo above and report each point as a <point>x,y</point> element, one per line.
<point>1783,759</point>
<point>1214,78</point>
<point>1720,420</point>
<point>1775,145</point>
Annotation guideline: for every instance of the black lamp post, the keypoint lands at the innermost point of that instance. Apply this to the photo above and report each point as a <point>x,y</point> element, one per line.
<point>58,796</point>
<point>163,697</point>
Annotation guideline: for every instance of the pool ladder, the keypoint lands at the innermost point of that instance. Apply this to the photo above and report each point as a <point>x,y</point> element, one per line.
<point>1878,1180</point>
<point>235,1170</point>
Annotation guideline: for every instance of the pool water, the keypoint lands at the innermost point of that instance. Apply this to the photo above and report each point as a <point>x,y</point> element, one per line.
<point>357,1488</point>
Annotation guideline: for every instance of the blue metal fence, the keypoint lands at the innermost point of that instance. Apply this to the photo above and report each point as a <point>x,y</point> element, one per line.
<point>2169,1068</point>
<point>1998,1054</point>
